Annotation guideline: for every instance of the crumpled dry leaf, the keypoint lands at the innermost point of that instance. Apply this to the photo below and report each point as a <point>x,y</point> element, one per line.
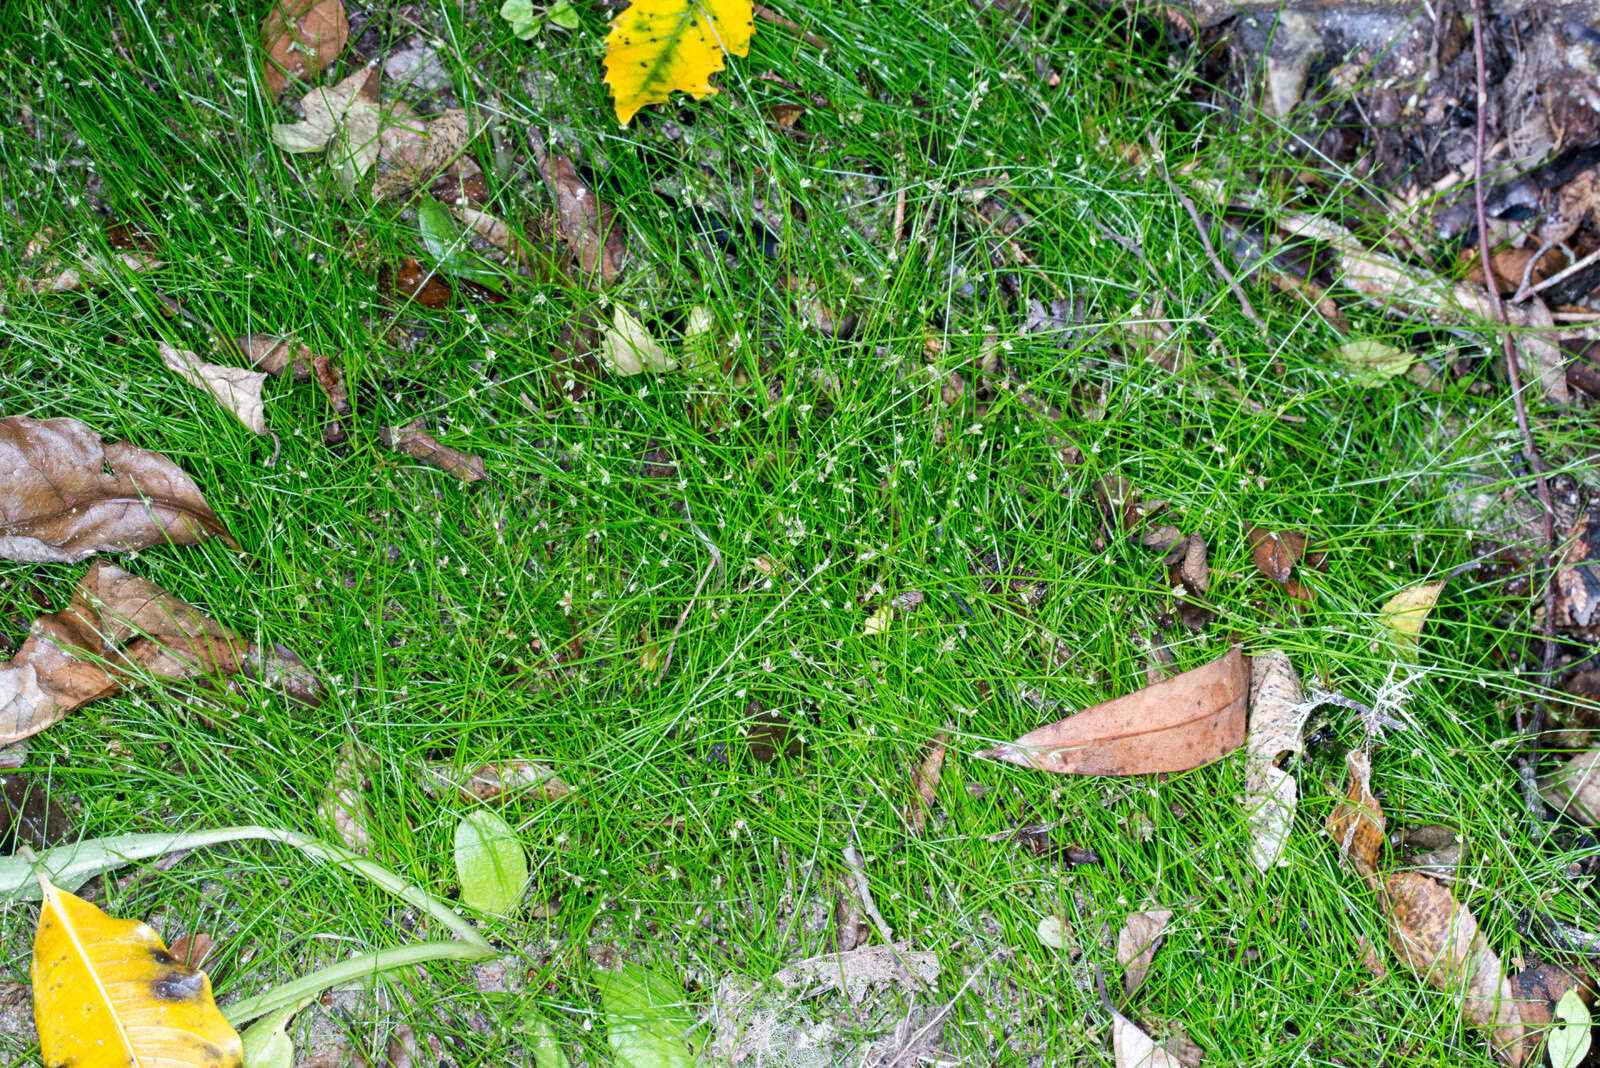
<point>418,444</point>
<point>60,503</point>
<point>420,150</point>
<point>1277,713</point>
<point>275,355</point>
<point>1135,1049</point>
<point>89,268</point>
<point>1574,788</point>
<point>1356,823</point>
<point>301,37</point>
<point>325,111</point>
<point>1173,725</point>
<point>627,348</point>
<point>493,780</point>
<point>344,808</point>
<point>925,782</point>
<point>1137,943</point>
<point>117,629</point>
<point>860,969</point>
<point>584,221</point>
<point>235,388</point>
<point>1276,552</point>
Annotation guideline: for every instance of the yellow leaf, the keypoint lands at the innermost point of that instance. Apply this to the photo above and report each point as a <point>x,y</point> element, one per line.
<point>657,46</point>
<point>1406,611</point>
<point>107,993</point>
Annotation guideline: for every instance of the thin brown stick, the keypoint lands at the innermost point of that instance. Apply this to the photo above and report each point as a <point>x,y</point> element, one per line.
<point>1531,291</point>
<point>1217,266</point>
<point>769,15</point>
<point>1532,728</point>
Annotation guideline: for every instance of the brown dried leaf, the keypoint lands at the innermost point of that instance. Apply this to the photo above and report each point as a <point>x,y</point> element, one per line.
<point>1276,553</point>
<point>116,630</point>
<point>1276,717</point>
<point>344,808</point>
<point>584,221</point>
<point>1137,943</point>
<point>301,37</point>
<point>925,782</point>
<point>236,389</point>
<point>1187,565</point>
<point>1574,788</point>
<point>331,379</point>
<point>494,780</point>
<point>1438,938</point>
<point>418,444</point>
<point>191,950</point>
<point>1356,824</point>
<point>59,503</point>
<point>1177,724</point>
<point>419,157</point>
<point>415,282</point>
<point>29,815</point>
<point>274,355</point>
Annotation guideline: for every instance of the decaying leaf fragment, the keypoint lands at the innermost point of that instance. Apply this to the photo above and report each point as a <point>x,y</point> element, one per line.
<point>1406,611</point>
<point>88,268</point>
<point>925,782</point>
<point>628,348</point>
<point>106,991</point>
<point>60,503</point>
<point>343,808</point>
<point>656,47</point>
<point>1137,943</point>
<point>1435,935</point>
<point>420,152</point>
<point>1574,788</point>
<point>489,782</point>
<point>1173,725</point>
<point>235,388</point>
<point>584,221</point>
<point>117,629</point>
<point>418,444</point>
<point>300,38</point>
<point>1277,712</point>
<point>860,969</point>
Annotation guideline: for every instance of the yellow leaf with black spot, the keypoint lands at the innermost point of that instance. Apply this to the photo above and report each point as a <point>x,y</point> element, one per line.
<point>658,46</point>
<point>107,993</point>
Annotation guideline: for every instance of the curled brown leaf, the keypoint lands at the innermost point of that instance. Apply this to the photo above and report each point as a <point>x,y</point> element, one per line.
<point>418,444</point>
<point>584,221</point>
<point>65,496</point>
<point>301,37</point>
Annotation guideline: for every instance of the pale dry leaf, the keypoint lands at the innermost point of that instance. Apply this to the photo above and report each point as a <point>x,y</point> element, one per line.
<point>1406,611</point>
<point>1574,788</point>
<point>1137,943</point>
<point>857,971</point>
<point>489,227</point>
<point>117,631</point>
<point>326,110</point>
<point>344,807</point>
<point>627,348</point>
<point>925,782</point>
<point>494,780</point>
<point>1054,932</point>
<point>1135,1049</point>
<point>354,149</point>
<point>65,496</point>
<point>1277,714</point>
<point>413,440</point>
<point>235,388</point>
<point>90,268</point>
<point>878,622</point>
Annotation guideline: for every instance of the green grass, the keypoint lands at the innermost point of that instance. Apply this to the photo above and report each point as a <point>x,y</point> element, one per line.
<point>433,610</point>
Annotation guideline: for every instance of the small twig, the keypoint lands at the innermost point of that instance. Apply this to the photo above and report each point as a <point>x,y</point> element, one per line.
<point>858,869</point>
<point>715,565</point>
<point>1523,287</point>
<point>769,15</point>
<point>1531,729</point>
<point>1217,266</point>
<point>1528,291</point>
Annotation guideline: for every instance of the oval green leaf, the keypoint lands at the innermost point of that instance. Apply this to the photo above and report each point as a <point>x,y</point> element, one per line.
<point>645,1018</point>
<point>490,862</point>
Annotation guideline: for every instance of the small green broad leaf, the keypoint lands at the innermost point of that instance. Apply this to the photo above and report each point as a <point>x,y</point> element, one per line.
<point>1372,362</point>
<point>490,862</point>
<point>266,1042</point>
<point>445,242</point>
<point>1569,1043</point>
<point>646,1019</point>
<point>541,1038</point>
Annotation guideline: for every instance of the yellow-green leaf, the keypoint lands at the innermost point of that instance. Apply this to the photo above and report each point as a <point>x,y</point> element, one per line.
<point>1407,610</point>
<point>106,994</point>
<point>490,862</point>
<point>1372,362</point>
<point>658,46</point>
